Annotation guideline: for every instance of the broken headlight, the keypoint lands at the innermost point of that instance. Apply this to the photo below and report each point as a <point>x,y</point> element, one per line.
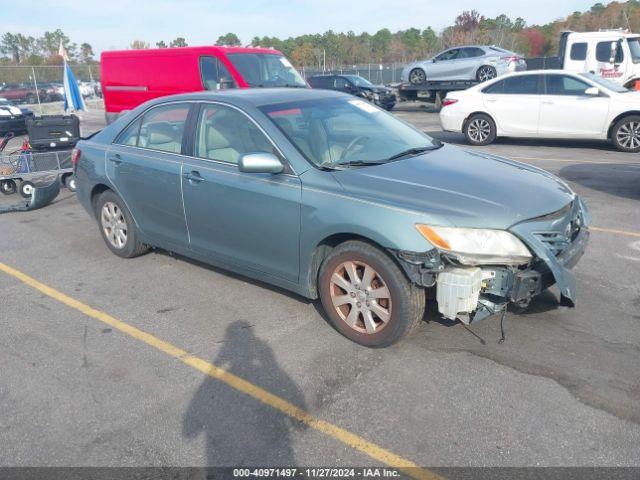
<point>477,246</point>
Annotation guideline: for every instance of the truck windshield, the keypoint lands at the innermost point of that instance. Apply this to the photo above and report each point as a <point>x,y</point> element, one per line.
<point>266,70</point>
<point>634,47</point>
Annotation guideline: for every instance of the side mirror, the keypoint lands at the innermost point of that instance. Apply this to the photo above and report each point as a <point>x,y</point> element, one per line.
<point>433,60</point>
<point>225,82</point>
<point>260,163</point>
<point>592,91</point>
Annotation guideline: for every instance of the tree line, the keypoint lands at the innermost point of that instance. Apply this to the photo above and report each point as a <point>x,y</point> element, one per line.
<point>331,48</point>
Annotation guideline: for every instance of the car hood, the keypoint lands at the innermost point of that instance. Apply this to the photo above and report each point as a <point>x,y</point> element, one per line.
<point>459,188</point>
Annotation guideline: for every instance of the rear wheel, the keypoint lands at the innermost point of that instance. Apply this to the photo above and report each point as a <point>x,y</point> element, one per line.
<point>626,134</point>
<point>117,226</point>
<point>417,76</point>
<point>26,189</point>
<point>8,187</point>
<point>480,129</point>
<point>367,297</point>
<point>485,73</point>
<point>69,182</point>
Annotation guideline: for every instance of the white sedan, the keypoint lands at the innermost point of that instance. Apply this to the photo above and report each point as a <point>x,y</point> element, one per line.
<point>545,104</point>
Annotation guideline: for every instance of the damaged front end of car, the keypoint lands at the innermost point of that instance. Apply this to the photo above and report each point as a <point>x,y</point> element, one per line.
<point>479,272</point>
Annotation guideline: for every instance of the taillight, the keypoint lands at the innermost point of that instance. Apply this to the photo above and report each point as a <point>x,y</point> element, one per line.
<point>449,101</point>
<point>75,157</point>
<point>511,59</point>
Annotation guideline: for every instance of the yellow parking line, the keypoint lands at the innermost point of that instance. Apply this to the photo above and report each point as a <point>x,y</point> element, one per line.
<point>617,232</point>
<point>374,451</point>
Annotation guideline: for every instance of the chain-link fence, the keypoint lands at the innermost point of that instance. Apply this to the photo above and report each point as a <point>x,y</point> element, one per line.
<point>43,84</point>
<point>377,73</point>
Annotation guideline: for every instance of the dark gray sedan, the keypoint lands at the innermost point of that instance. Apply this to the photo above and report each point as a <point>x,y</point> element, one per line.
<point>329,196</point>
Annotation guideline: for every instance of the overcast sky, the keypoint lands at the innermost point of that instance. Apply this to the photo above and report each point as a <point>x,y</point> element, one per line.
<point>112,24</point>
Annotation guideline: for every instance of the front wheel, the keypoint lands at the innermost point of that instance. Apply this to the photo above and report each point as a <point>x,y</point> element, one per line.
<point>117,226</point>
<point>625,134</point>
<point>367,297</point>
<point>480,129</point>
<point>417,76</point>
<point>8,187</point>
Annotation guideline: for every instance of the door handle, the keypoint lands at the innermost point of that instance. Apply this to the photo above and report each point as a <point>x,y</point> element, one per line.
<point>547,102</point>
<point>492,99</point>
<point>115,158</point>
<point>193,176</point>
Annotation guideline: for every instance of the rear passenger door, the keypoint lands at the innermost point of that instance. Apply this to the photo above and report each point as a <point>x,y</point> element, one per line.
<point>514,104</point>
<point>144,165</point>
<point>250,220</point>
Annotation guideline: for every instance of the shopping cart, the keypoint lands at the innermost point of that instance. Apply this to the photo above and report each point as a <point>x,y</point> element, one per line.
<point>21,169</point>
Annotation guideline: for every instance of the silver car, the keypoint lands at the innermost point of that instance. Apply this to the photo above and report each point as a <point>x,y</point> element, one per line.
<point>474,62</point>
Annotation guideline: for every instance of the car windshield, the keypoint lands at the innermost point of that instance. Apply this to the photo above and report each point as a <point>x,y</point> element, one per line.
<point>634,47</point>
<point>344,133</point>
<point>608,84</point>
<point>266,70</point>
<point>358,81</point>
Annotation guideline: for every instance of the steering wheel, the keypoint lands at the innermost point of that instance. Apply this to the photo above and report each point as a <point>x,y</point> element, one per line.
<point>356,141</point>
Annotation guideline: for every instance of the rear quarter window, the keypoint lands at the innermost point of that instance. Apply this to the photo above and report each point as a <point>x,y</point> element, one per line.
<point>578,51</point>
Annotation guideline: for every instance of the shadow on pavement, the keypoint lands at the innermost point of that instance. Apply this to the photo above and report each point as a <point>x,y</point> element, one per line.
<point>239,430</point>
<point>622,179</point>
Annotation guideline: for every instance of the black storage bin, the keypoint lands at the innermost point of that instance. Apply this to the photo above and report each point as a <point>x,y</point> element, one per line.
<point>53,131</point>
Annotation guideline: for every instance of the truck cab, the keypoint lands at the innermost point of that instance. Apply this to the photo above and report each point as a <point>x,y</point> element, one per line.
<point>611,54</point>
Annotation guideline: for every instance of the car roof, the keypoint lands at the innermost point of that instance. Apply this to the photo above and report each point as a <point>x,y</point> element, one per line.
<point>256,96</point>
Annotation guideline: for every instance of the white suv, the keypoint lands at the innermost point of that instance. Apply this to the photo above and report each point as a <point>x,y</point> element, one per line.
<point>547,104</point>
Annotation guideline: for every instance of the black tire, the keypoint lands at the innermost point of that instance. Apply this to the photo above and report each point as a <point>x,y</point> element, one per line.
<point>625,134</point>
<point>132,246</point>
<point>417,76</point>
<point>406,305</point>
<point>486,73</point>
<point>69,181</point>
<point>480,129</point>
<point>437,102</point>
<point>8,187</point>
<point>26,189</point>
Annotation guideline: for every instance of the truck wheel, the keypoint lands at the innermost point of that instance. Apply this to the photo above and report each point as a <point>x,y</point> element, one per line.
<point>417,76</point>
<point>480,129</point>
<point>625,134</point>
<point>8,187</point>
<point>26,189</point>
<point>485,73</point>
<point>366,296</point>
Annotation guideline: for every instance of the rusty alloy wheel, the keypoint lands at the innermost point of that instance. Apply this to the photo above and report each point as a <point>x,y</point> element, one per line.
<point>360,297</point>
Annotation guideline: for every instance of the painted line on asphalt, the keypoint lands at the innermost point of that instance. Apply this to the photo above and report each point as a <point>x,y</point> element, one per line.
<point>352,440</point>
<point>562,160</point>
<point>617,232</point>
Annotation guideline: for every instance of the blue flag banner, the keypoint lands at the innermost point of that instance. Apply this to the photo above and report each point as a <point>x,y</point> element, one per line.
<point>72,97</point>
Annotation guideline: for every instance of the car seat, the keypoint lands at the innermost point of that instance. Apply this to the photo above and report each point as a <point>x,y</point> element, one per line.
<point>162,136</point>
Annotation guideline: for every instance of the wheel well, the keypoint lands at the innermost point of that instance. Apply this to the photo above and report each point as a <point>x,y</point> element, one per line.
<point>618,118</point>
<point>95,193</point>
<point>322,251</point>
<point>464,124</point>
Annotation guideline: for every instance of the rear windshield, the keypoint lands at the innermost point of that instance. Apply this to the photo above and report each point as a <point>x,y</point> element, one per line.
<point>266,70</point>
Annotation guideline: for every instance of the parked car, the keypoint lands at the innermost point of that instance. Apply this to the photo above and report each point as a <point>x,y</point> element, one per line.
<point>86,89</point>
<point>547,104</point>
<point>329,196</point>
<point>52,92</point>
<point>131,77</point>
<point>474,62</point>
<point>356,85</point>
<point>21,93</point>
<point>12,118</point>
<point>611,54</point>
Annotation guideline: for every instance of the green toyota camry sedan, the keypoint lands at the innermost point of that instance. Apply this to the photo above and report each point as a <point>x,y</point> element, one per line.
<point>330,197</point>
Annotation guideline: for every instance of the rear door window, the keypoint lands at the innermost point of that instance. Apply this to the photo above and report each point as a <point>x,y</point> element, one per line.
<point>129,136</point>
<point>162,128</point>
<point>215,74</point>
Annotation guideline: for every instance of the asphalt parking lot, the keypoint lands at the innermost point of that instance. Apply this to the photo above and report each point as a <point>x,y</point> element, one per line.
<point>78,388</point>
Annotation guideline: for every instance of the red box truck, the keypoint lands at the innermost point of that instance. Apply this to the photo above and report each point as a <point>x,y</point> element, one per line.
<point>131,77</point>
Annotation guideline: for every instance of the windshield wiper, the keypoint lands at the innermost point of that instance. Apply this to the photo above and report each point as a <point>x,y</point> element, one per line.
<point>410,152</point>
<point>360,163</point>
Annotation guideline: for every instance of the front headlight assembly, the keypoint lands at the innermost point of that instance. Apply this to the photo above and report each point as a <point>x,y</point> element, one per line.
<point>477,246</point>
